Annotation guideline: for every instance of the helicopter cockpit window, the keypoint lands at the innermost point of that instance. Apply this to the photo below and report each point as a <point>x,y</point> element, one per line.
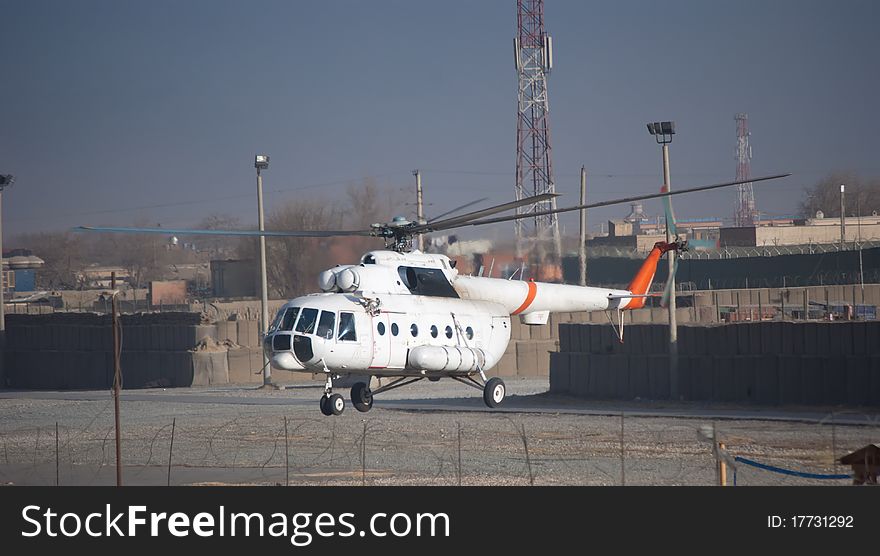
<point>347,332</point>
<point>369,259</point>
<point>326,324</point>
<point>289,318</point>
<point>277,320</point>
<point>426,281</point>
<point>306,323</point>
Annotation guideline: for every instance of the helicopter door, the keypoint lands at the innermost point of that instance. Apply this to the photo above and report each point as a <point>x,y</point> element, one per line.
<point>381,342</point>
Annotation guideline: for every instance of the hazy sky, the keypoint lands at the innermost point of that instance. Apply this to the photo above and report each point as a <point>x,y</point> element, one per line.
<point>119,111</point>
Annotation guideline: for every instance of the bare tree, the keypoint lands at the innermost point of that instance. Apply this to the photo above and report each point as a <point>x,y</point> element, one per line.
<point>862,195</point>
<point>63,254</point>
<point>218,246</point>
<point>294,263</point>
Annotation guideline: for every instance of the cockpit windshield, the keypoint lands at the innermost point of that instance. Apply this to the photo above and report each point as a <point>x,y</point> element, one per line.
<point>306,323</point>
<point>289,318</point>
<point>277,320</point>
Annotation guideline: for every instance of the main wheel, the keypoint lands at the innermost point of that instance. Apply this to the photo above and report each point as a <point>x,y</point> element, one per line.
<point>494,391</point>
<point>325,405</point>
<point>336,404</point>
<point>361,397</point>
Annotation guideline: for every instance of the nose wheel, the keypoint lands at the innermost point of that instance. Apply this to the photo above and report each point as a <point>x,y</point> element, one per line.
<point>331,404</point>
<point>494,392</point>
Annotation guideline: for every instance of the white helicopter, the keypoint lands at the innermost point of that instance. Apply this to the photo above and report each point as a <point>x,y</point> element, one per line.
<point>403,314</point>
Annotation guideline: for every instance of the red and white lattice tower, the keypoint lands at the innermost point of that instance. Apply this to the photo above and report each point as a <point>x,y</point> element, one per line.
<point>534,170</point>
<point>745,214</point>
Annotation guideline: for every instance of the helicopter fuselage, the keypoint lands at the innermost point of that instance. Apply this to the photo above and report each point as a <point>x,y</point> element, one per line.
<point>411,314</point>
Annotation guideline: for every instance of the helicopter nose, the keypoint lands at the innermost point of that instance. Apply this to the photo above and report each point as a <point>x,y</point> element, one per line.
<point>278,349</point>
<point>302,349</point>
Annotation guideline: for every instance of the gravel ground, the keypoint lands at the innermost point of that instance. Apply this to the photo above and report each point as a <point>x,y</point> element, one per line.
<point>425,434</point>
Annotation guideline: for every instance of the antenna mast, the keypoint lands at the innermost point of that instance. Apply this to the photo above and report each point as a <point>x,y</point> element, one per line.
<point>745,213</point>
<point>533,50</point>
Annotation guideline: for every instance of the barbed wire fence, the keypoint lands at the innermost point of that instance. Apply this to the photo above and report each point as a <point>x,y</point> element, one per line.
<point>286,448</point>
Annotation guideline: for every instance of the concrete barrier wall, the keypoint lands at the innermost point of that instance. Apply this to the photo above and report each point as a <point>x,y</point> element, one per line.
<point>763,363</point>
<point>74,350</point>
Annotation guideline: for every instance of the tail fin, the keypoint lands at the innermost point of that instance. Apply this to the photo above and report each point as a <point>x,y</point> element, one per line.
<point>641,283</point>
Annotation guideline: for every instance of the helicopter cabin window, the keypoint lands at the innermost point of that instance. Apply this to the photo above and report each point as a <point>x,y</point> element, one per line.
<point>433,330</point>
<point>394,329</point>
<point>381,328</point>
<point>449,332</point>
<point>347,332</point>
<point>426,281</point>
<point>306,323</point>
<point>414,330</point>
<point>469,332</point>
<point>289,318</point>
<point>326,324</point>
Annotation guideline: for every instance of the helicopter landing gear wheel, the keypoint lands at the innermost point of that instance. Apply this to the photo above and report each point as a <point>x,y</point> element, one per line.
<point>325,406</point>
<point>336,404</point>
<point>361,397</point>
<point>494,392</point>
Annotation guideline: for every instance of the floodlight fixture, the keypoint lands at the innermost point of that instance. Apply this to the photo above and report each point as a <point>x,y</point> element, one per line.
<point>6,180</point>
<point>662,131</point>
<point>261,161</point>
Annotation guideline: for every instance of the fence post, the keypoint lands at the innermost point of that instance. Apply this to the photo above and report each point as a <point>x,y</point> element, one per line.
<point>528,459</point>
<point>459,453</point>
<point>364,455</point>
<point>806,304</point>
<point>622,454</point>
<point>286,456</point>
<point>57,473</point>
<point>171,449</point>
<point>722,467</point>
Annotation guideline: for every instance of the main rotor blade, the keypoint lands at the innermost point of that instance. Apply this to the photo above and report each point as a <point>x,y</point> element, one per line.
<point>621,201</point>
<point>465,219</point>
<point>245,233</point>
<point>464,206</point>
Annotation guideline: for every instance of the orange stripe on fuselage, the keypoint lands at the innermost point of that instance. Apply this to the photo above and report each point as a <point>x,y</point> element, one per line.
<point>533,291</point>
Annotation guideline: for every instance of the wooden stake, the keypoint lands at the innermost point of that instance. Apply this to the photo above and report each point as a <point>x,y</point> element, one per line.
<point>57,474</point>
<point>286,456</point>
<point>171,449</point>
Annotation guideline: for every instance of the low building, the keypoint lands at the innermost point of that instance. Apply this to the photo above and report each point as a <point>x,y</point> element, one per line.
<point>234,278</point>
<point>806,231</point>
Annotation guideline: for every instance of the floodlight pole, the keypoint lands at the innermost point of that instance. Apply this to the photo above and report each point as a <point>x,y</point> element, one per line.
<point>842,217</point>
<point>663,132</point>
<point>261,162</point>
<point>117,377</point>
<point>2,283</point>
<point>5,181</point>
<point>420,208</point>
<point>582,240</point>
<point>670,259</point>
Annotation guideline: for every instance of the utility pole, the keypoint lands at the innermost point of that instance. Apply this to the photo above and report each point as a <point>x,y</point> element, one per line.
<point>261,162</point>
<point>117,377</point>
<point>842,217</point>
<point>582,244</point>
<point>5,181</point>
<point>420,208</point>
<point>859,224</point>
<point>670,259</point>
